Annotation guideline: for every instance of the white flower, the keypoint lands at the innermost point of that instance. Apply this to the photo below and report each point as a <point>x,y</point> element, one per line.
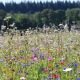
<point>3,27</point>
<point>8,17</point>
<point>63,58</point>
<point>55,31</point>
<point>22,78</point>
<point>67,69</point>
<point>12,25</point>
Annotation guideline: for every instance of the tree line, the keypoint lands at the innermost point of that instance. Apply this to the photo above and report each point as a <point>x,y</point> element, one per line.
<point>48,15</point>
<point>31,7</point>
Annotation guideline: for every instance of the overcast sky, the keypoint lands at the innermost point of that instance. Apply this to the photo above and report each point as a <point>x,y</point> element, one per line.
<point>33,0</point>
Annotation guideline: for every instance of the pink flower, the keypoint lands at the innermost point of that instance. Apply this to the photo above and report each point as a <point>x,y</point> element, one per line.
<point>35,59</point>
<point>50,58</point>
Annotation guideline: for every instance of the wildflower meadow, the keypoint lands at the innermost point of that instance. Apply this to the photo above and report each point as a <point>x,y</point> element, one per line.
<point>40,55</point>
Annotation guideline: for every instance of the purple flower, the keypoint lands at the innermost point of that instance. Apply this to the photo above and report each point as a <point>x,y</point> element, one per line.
<point>34,49</point>
<point>64,68</point>
<point>41,56</point>
<point>78,78</point>
<point>75,64</point>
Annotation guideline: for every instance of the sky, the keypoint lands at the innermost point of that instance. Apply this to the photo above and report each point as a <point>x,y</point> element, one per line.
<point>18,1</point>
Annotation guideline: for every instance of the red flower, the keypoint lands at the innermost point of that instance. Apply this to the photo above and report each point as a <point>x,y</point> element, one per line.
<point>55,76</point>
<point>62,62</point>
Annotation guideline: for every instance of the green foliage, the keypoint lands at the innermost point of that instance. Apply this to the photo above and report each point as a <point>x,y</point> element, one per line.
<point>73,14</point>
<point>60,16</point>
<point>2,15</point>
<point>38,19</point>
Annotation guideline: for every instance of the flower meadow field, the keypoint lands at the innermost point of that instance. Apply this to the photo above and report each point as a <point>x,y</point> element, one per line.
<point>40,55</point>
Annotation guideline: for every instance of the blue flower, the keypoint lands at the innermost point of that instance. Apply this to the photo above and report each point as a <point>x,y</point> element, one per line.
<point>64,68</point>
<point>75,64</point>
<point>78,78</point>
